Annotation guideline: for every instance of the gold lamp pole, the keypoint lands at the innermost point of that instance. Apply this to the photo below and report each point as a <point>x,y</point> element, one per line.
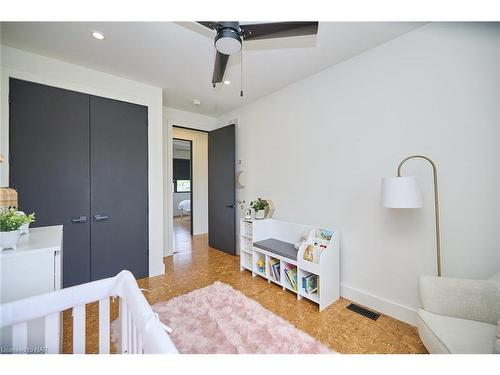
<point>403,192</point>
<point>436,203</point>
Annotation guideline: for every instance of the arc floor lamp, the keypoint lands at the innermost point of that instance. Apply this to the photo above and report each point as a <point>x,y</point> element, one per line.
<point>403,192</point>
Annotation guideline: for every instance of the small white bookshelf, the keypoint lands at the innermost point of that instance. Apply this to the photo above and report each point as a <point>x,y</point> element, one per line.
<point>271,242</point>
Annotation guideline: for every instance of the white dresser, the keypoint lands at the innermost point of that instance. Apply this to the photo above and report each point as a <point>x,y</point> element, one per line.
<point>35,267</point>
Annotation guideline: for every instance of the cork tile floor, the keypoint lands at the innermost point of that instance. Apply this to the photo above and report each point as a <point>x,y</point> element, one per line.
<point>342,330</point>
<point>182,234</point>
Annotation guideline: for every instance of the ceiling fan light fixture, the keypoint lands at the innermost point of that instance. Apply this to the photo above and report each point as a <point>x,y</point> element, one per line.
<point>228,41</point>
<point>230,35</point>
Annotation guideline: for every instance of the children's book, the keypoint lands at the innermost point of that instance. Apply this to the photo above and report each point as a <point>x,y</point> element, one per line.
<point>311,283</point>
<point>292,277</point>
<point>276,268</point>
<point>325,234</point>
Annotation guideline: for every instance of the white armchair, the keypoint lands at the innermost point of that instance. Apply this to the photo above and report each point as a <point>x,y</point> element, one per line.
<point>459,316</point>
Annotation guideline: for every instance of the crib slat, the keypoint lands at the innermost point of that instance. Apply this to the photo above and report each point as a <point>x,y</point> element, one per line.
<point>104,326</point>
<point>79,329</point>
<point>134,338</point>
<point>139,343</point>
<point>20,336</point>
<point>52,331</point>
<point>130,343</point>
<point>123,326</point>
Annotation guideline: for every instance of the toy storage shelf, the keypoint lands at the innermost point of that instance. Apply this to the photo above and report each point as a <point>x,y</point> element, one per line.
<point>246,253</point>
<point>267,250</point>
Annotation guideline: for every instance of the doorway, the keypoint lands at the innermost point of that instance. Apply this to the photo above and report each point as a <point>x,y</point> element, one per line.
<point>212,190</point>
<point>182,168</point>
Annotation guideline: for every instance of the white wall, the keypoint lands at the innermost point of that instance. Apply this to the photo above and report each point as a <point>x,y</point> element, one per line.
<point>187,119</point>
<point>319,148</point>
<point>31,67</point>
<point>191,120</point>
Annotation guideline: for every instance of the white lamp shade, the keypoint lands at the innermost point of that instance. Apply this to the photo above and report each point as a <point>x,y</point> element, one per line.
<point>401,192</point>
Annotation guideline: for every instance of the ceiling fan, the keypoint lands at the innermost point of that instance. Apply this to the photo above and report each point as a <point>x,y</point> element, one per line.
<point>229,38</point>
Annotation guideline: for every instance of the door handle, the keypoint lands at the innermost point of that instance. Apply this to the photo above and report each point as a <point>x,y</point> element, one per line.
<point>231,206</point>
<point>100,217</point>
<point>81,219</point>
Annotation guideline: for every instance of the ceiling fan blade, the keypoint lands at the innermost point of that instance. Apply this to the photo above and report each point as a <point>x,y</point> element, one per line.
<point>209,24</point>
<point>219,67</point>
<point>277,30</point>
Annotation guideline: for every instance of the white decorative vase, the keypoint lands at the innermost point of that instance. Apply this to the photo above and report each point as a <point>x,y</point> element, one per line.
<point>24,229</point>
<point>8,240</point>
<point>261,214</point>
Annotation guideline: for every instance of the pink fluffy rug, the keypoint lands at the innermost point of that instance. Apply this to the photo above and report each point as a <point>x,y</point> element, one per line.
<point>219,319</point>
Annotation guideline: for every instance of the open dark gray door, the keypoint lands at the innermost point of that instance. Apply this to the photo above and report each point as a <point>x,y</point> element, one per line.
<point>49,166</point>
<point>119,188</point>
<point>221,190</point>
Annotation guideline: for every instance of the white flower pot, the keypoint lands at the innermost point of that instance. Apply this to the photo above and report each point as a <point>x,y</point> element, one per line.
<point>24,229</point>
<point>8,240</point>
<point>261,214</point>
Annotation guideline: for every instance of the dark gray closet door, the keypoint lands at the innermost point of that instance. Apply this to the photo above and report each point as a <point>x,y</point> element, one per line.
<point>119,188</point>
<point>221,190</point>
<point>49,166</point>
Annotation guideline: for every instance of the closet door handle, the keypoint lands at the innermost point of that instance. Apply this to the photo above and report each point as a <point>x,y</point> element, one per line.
<point>100,217</point>
<point>231,206</point>
<point>81,219</point>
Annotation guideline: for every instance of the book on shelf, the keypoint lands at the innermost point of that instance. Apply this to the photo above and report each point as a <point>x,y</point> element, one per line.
<point>291,274</point>
<point>288,277</point>
<point>310,283</point>
<point>274,265</point>
<point>276,268</point>
<point>318,241</point>
<point>324,234</point>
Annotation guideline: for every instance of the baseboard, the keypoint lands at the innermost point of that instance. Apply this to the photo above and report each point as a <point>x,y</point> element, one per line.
<point>379,304</point>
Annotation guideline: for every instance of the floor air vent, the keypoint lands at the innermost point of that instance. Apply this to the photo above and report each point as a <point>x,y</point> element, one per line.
<point>362,311</point>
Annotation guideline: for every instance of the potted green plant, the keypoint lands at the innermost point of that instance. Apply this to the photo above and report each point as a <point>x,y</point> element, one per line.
<point>10,223</point>
<point>259,206</point>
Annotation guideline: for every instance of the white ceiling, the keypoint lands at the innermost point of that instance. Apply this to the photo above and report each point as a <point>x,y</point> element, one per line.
<point>179,56</point>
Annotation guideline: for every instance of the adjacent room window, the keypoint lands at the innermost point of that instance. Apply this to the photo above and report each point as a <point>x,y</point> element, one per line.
<point>182,175</point>
<point>182,186</point>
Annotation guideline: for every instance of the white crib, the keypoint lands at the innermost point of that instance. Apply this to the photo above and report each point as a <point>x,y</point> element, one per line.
<point>140,329</point>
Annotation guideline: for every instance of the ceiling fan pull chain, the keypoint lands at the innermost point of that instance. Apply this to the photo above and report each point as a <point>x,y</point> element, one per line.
<point>241,73</point>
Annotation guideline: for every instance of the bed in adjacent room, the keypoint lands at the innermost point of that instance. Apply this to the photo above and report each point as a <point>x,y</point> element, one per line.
<point>185,207</point>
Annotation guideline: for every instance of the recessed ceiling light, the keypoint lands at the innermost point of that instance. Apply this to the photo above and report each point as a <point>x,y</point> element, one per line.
<point>227,82</point>
<point>196,102</point>
<point>97,35</point>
